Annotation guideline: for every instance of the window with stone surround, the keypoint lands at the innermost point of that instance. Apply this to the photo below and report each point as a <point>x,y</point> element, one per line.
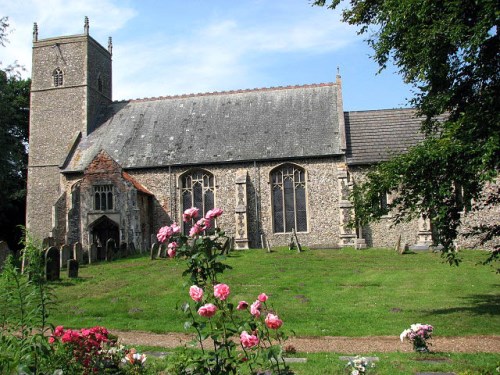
<point>288,193</point>
<point>197,190</point>
<point>57,75</point>
<point>103,197</point>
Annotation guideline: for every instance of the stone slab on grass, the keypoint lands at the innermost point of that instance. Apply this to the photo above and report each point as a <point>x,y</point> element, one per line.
<point>349,357</point>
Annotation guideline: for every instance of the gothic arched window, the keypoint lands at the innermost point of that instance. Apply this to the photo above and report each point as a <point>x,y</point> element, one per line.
<point>288,184</point>
<point>198,190</point>
<point>57,75</point>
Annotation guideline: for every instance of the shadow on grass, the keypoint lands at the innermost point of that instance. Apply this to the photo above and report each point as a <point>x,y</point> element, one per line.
<point>479,304</point>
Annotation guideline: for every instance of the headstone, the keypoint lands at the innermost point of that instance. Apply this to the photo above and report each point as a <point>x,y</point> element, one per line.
<point>52,264</point>
<point>4,253</point>
<point>131,248</point>
<point>78,252</point>
<point>65,255</point>
<point>398,245</point>
<point>154,250</point>
<point>123,250</point>
<point>110,249</point>
<point>73,268</point>
<point>162,250</point>
<point>93,253</point>
<point>296,240</point>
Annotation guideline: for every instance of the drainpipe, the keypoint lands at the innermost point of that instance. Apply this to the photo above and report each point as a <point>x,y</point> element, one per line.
<point>256,195</point>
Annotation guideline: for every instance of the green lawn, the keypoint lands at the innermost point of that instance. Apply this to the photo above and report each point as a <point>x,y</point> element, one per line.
<point>317,292</point>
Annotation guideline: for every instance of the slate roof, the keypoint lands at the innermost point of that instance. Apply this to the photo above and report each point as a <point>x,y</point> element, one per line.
<point>247,125</point>
<point>373,136</point>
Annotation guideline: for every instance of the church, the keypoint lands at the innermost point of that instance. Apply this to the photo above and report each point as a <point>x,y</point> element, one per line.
<point>277,160</point>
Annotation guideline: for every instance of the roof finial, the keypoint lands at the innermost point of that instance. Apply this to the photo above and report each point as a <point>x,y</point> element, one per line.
<point>110,46</point>
<point>35,32</point>
<point>338,71</point>
<point>86,26</point>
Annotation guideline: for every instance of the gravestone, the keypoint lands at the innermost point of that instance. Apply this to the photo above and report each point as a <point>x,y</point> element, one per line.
<point>398,245</point>
<point>65,255</point>
<point>93,253</point>
<point>4,253</point>
<point>110,249</point>
<point>154,250</point>
<point>131,248</point>
<point>73,268</point>
<point>162,251</point>
<point>52,264</point>
<point>123,250</point>
<point>78,252</point>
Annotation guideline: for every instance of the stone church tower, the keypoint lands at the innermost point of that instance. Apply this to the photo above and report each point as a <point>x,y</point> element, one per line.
<point>71,82</point>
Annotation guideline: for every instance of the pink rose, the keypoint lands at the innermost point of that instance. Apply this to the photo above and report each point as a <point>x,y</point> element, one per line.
<point>196,293</point>
<point>58,332</point>
<point>221,291</point>
<point>213,214</point>
<point>51,339</point>
<point>172,249</point>
<point>255,309</point>
<point>164,234</point>
<point>195,230</point>
<point>247,340</point>
<point>207,310</point>
<point>175,228</point>
<point>190,213</point>
<point>262,297</point>
<point>242,305</point>
<point>273,322</point>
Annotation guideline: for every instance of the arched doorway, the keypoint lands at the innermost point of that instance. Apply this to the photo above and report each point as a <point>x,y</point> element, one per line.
<point>101,231</point>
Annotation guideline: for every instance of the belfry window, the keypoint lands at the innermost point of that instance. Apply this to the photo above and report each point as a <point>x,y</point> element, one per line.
<point>57,75</point>
<point>99,83</point>
<point>198,190</point>
<point>288,186</point>
<point>103,197</point>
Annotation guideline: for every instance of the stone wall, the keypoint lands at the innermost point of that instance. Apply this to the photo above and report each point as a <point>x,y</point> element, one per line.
<point>321,193</point>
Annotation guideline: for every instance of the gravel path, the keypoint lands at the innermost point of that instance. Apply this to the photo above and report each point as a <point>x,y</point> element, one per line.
<point>344,345</point>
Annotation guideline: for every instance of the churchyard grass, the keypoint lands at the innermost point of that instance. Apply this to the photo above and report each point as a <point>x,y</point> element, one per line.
<point>317,292</point>
<point>388,363</point>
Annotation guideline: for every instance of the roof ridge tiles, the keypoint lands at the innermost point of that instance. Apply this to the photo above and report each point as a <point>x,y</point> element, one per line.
<point>230,92</point>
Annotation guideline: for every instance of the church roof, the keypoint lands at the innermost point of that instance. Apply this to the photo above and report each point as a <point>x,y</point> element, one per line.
<point>246,125</point>
<point>374,136</point>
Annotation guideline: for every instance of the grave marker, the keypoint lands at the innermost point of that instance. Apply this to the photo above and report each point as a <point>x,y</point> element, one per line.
<point>73,268</point>
<point>65,255</point>
<point>4,253</point>
<point>78,252</point>
<point>52,264</point>
<point>93,253</point>
<point>154,250</point>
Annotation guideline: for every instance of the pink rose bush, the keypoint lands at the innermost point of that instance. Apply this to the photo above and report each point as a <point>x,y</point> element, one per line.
<point>251,332</point>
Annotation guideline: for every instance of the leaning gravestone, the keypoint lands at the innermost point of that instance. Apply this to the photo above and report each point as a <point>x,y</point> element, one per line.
<point>110,249</point>
<point>52,264</point>
<point>154,250</point>
<point>72,268</point>
<point>4,253</point>
<point>93,253</point>
<point>65,255</point>
<point>162,251</point>
<point>78,252</point>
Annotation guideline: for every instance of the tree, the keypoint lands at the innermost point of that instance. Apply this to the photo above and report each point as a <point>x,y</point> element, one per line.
<point>14,119</point>
<point>449,51</point>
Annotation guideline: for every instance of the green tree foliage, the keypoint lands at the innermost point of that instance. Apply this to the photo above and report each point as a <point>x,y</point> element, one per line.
<point>14,119</point>
<point>449,51</point>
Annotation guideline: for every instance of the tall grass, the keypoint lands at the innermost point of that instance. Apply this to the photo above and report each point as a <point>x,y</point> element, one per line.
<point>317,292</point>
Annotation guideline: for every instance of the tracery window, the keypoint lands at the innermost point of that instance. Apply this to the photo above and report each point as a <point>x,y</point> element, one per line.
<point>198,190</point>
<point>57,75</point>
<point>103,197</point>
<point>289,204</point>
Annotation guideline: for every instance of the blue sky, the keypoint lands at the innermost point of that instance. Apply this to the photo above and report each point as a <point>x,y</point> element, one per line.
<point>188,46</point>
